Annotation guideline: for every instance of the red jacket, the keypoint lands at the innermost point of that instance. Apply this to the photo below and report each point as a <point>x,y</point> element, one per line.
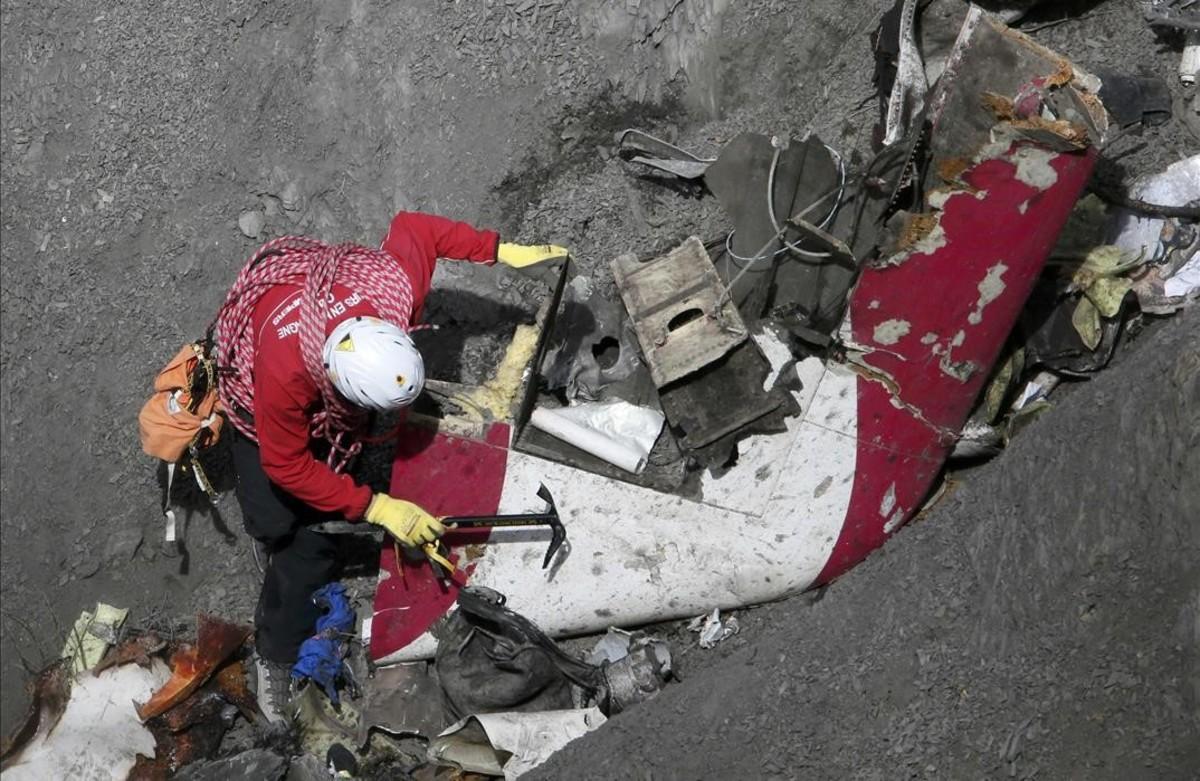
<point>285,398</point>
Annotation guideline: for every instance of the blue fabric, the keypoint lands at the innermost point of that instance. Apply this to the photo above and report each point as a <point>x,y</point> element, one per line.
<point>320,657</point>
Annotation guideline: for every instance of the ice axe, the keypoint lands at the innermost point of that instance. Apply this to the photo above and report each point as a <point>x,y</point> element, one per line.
<point>548,517</point>
<point>437,554</point>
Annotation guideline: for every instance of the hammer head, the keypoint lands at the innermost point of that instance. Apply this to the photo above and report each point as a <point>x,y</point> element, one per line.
<point>558,533</point>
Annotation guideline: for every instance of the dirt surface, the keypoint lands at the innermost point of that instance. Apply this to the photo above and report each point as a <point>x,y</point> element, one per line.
<point>1043,621</point>
<point>140,144</point>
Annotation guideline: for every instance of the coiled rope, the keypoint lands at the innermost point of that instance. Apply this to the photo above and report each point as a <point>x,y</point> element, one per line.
<point>316,267</point>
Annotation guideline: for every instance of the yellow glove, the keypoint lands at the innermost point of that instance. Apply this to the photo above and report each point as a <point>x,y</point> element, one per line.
<point>520,256</point>
<point>405,521</point>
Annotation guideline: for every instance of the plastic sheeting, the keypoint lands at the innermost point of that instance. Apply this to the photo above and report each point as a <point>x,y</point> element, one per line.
<point>616,431</point>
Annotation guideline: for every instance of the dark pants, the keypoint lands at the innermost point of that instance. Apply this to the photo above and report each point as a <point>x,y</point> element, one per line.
<point>300,560</point>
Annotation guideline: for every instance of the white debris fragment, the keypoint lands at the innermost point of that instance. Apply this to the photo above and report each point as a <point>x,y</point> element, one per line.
<point>510,744</point>
<point>1185,281</point>
<point>888,503</point>
<point>621,433</point>
<point>1034,168</point>
<point>1038,387</point>
<point>613,647</point>
<point>713,629</point>
<point>99,735</point>
<point>1140,235</point>
<point>1189,63</point>
<point>775,349</point>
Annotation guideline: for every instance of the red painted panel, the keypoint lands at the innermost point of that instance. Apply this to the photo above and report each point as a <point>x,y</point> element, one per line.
<point>447,475</point>
<point>951,336</point>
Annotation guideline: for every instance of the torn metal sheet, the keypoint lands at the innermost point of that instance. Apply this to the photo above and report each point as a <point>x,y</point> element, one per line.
<point>402,699</point>
<point>700,411</point>
<point>590,347</point>
<point>981,245</point>
<point>761,183</point>
<point>138,649</point>
<point>682,317</point>
<point>640,147</point>
<point>907,98</point>
<point>713,629</point>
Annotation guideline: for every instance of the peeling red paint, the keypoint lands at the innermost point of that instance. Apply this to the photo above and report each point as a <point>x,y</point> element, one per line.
<point>981,235</point>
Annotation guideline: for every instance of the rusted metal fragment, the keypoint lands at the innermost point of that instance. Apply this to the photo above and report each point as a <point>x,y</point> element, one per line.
<point>1033,81</point>
<point>192,665</point>
<point>917,228</point>
<point>1058,134</point>
<point>233,683</point>
<point>173,749</point>
<point>192,730</point>
<point>951,169</point>
<point>1000,105</point>
<point>48,696</point>
<point>1065,73</point>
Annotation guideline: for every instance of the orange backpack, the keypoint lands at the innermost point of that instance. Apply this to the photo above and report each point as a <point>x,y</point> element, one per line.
<point>182,418</point>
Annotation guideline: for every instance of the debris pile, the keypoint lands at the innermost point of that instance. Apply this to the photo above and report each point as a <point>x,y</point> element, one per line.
<point>499,699</point>
<point>791,261</point>
<point>131,705</point>
<point>850,326</point>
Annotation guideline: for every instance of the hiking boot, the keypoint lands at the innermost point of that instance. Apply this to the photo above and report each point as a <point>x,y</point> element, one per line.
<point>275,690</point>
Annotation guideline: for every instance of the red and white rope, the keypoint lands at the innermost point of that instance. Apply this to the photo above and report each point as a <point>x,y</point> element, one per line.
<point>316,266</point>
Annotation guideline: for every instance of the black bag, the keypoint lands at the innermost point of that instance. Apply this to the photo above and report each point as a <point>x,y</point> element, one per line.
<point>491,660</point>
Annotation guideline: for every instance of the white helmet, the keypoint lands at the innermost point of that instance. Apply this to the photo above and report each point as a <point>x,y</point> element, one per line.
<point>374,364</point>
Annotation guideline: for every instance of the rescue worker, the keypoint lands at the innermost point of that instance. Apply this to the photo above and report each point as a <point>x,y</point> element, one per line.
<point>315,337</point>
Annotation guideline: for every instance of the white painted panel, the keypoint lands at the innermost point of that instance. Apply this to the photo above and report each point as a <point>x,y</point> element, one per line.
<point>637,555</point>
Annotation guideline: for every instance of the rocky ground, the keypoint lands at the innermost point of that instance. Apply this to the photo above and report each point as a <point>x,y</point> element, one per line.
<point>147,148</point>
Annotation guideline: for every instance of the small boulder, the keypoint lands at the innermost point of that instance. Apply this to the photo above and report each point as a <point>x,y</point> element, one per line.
<point>252,223</point>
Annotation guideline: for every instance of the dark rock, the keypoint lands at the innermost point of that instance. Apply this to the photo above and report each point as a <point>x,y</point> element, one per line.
<point>257,763</point>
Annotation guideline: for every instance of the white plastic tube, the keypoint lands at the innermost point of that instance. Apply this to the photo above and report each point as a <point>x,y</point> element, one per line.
<point>1189,64</point>
<point>588,440</point>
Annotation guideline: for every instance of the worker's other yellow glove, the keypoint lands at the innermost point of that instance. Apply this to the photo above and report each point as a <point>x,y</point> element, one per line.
<point>405,521</point>
<point>520,255</point>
